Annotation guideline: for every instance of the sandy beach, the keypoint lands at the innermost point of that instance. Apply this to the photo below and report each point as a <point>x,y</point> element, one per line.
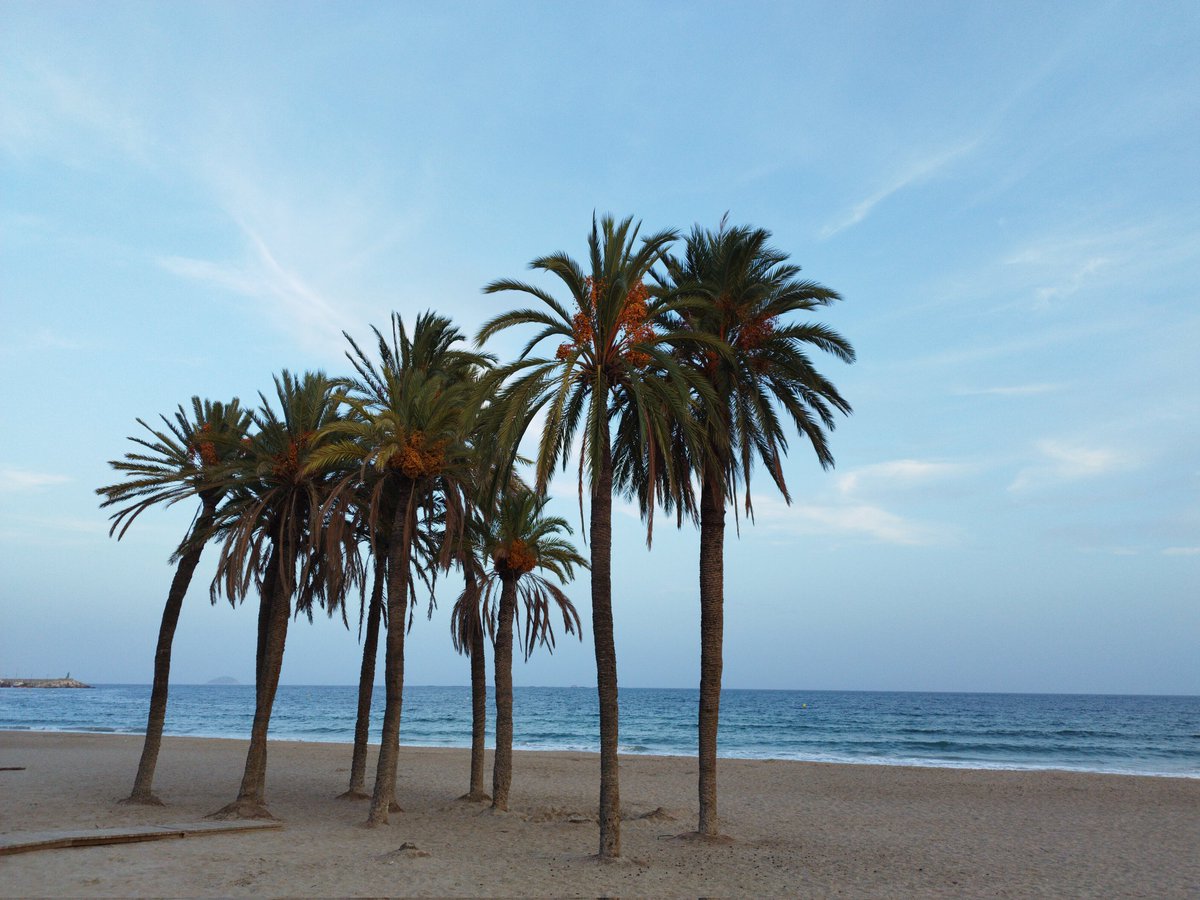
<point>797,828</point>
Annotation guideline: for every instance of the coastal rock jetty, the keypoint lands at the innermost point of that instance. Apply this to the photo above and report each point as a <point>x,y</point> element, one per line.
<point>42,683</point>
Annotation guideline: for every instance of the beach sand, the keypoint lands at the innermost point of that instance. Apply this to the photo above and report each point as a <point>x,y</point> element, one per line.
<point>807,829</point>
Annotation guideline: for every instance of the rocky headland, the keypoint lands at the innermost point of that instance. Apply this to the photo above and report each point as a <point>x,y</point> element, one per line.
<point>42,683</point>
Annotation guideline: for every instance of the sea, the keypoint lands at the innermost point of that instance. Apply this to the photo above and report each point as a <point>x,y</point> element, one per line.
<point>1141,735</point>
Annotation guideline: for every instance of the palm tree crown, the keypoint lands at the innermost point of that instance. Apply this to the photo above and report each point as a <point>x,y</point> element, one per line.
<point>748,290</point>
<point>522,543</point>
<point>277,495</point>
<point>610,359</point>
<point>182,460</point>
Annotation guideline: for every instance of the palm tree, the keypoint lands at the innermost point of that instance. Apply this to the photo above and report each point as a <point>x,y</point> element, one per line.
<point>273,523</point>
<point>521,539</point>
<point>747,291</point>
<point>466,621</point>
<point>408,421</point>
<point>366,676</point>
<point>466,635</point>
<point>612,363</point>
<point>181,461</point>
<point>356,500</point>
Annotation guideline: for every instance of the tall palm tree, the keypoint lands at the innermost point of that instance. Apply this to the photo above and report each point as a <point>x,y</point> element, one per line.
<point>765,380</point>
<point>467,636</point>
<point>523,539</point>
<point>273,524</point>
<point>366,677</point>
<point>611,363</point>
<point>356,501</point>
<point>470,555</point>
<point>409,417</point>
<point>176,463</point>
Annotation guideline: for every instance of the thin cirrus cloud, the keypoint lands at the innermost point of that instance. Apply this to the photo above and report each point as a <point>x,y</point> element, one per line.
<point>1013,390</point>
<point>900,473</point>
<point>53,112</point>
<point>1182,551</point>
<point>299,308</point>
<point>861,520</point>
<point>775,517</point>
<point>1060,462</point>
<point>1098,263</point>
<point>919,172</point>
<point>13,480</point>
<point>1073,281</point>
<point>54,530</point>
<point>39,340</point>
<point>1060,266</point>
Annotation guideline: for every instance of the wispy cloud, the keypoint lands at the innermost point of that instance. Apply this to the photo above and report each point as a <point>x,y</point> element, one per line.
<point>898,473</point>
<point>1015,390</point>
<point>1182,551</point>
<point>227,276</point>
<point>14,480</point>
<point>861,520</point>
<point>1061,267</point>
<point>1055,265</point>
<point>309,315</point>
<point>1111,551</point>
<point>62,114</point>
<point>1072,282</point>
<point>841,518</point>
<point>1060,461</point>
<point>920,171</point>
<point>53,530</point>
<point>39,340</point>
<point>1042,339</point>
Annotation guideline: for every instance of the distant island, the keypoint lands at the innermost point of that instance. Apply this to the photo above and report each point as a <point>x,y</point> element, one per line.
<point>224,679</point>
<point>42,683</point>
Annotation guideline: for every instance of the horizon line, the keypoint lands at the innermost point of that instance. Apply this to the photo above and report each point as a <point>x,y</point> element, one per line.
<point>1041,693</point>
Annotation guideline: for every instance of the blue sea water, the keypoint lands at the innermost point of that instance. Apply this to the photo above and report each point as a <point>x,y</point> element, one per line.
<point>1126,734</point>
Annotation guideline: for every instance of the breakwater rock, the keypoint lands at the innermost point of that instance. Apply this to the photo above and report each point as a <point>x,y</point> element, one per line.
<point>42,683</point>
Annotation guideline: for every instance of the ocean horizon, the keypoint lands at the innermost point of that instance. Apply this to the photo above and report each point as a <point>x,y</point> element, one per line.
<point>1109,733</point>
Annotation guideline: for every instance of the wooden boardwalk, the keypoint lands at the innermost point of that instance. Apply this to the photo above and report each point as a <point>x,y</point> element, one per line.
<point>89,837</point>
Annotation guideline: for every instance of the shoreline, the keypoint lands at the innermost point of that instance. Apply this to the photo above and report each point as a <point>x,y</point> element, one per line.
<point>816,829</point>
<point>1148,736</point>
<point>969,766</point>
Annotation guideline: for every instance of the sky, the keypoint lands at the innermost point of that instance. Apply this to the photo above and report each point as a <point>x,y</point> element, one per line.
<point>194,196</point>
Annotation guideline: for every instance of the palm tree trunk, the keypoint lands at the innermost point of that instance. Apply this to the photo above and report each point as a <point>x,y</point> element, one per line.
<point>265,601</point>
<point>273,624</point>
<point>502,765</point>
<point>712,619</point>
<point>606,651</point>
<point>366,685</point>
<point>143,783</point>
<point>399,548</point>
<point>478,700</point>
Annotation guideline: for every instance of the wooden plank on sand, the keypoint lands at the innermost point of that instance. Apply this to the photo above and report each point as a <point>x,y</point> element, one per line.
<point>53,840</point>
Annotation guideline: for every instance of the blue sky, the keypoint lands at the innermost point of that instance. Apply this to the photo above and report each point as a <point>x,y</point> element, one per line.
<point>197,196</point>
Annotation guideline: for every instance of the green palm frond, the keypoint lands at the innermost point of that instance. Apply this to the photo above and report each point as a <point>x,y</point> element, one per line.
<point>606,361</point>
<point>742,293</point>
<point>276,521</point>
<point>187,457</point>
<point>521,543</point>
